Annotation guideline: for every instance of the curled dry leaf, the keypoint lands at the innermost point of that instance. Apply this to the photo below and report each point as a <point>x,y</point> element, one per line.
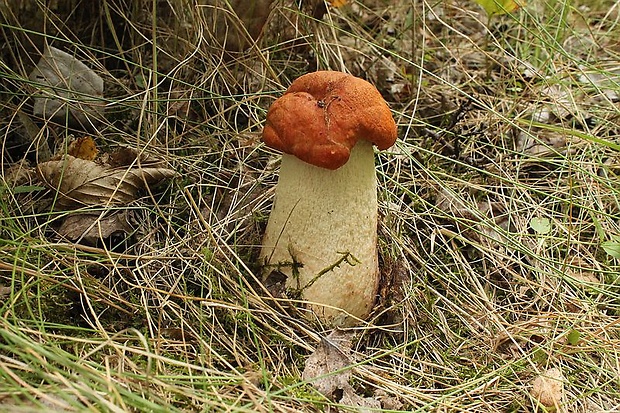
<point>83,148</point>
<point>548,388</point>
<point>119,181</point>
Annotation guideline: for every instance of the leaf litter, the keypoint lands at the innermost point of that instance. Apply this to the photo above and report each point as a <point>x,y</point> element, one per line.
<point>329,370</point>
<point>109,183</point>
<point>80,182</point>
<point>474,215</point>
<point>548,388</point>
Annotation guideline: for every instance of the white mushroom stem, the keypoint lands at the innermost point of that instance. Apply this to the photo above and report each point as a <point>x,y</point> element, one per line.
<point>322,234</point>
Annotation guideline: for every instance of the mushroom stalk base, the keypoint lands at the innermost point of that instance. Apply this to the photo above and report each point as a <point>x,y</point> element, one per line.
<point>322,234</point>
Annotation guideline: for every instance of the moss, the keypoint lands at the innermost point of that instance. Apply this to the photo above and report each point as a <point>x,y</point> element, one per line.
<point>302,391</point>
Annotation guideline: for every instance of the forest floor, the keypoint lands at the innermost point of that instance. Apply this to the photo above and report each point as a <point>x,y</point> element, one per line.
<point>499,211</point>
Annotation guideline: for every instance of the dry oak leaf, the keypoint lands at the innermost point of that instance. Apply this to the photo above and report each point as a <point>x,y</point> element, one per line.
<point>81,182</point>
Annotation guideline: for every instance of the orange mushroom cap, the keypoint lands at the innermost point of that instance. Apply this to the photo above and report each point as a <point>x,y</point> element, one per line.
<point>322,115</point>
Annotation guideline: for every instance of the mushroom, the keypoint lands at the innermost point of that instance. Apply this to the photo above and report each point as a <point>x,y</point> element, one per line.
<point>322,231</point>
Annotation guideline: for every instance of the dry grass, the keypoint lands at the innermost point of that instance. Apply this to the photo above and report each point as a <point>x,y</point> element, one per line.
<point>499,209</point>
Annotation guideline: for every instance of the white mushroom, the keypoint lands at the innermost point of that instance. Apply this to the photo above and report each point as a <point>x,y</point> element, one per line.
<point>322,231</point>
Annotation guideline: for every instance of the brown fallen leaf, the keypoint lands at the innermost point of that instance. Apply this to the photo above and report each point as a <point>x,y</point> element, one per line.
<point>83,148</point>
<point>90,228</point>
<point>81,182</point>
<point>330,356</point>
<point>329,371</point>
<point>363,404</point>
<point>548,388</point>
